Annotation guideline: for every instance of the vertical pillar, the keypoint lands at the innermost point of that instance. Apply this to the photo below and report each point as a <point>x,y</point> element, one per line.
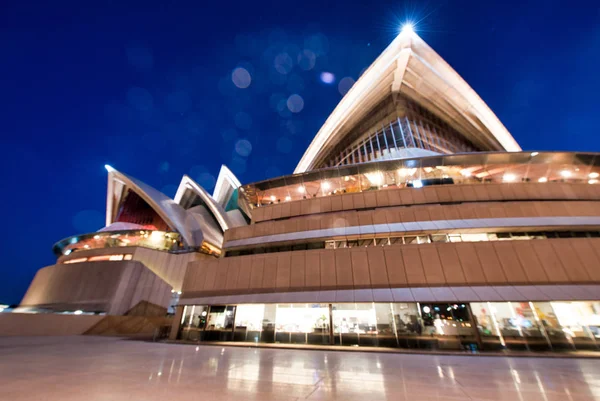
<point>540,325</point>
<point>473,320</point>
<point>331,339</point>
<point>177,321</point>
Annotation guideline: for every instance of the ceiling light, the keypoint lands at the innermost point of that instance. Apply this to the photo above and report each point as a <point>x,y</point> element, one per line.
<point>592,181</point>
<point>325,185</point>
<point>543,179</point>
<point>288,198</point>
<point>594,175</point>
<point>375,178</point>
<point>301,189</point>
<point>566,173</point>
<point>509,177</point>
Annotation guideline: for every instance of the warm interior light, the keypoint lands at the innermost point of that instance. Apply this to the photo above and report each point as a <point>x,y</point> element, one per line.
<point>465,173</point>
<point>375,178</point>
<point>325,185</point>
<point>592,181</point>
<point>288,198</point>
<point>543,179</point>
<point>417,184</point>
<point>403,172</point>
<point>301,189</point>
<point>594,175</point>
<point>273,198</point>
<point>508,177</point>
<point>566,173</point>
<point>96,237</point>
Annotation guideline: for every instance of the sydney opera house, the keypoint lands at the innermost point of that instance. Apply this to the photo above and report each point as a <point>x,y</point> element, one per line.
<point>413,220</point>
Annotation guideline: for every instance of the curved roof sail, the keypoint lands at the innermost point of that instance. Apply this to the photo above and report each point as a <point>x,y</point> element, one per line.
<point>226,184</point>
<point>166,208</point>
<point>409,67</point>
<point>188,187</point>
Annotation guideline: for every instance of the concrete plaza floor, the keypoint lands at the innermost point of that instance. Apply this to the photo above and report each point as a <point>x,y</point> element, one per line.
<point>101,368</point>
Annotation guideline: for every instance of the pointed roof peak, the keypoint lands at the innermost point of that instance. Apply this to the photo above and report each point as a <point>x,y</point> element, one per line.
<point>411,68</point>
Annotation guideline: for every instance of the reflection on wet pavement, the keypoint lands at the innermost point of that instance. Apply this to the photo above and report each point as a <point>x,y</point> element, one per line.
<point>95,368</point>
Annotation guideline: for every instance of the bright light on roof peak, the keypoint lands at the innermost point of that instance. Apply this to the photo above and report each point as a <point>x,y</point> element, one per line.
<point>407,27</point>
<point>109,168</point>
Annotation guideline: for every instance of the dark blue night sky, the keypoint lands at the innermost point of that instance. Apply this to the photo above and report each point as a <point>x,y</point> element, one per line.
<point>147,87</point>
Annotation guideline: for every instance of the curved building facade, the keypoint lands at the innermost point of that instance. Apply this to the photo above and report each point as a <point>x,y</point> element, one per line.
<point>413,220</point>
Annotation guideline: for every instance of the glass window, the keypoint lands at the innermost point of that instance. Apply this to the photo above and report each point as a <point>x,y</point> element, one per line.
<point>454,238</point>
<point>395,240</point>
<point>439,238</point>
<point>580,321</point>
<point>193,322</point>
<point>551,326</point>
<point>411,240</point>
<point>519,325</point>
<point>249,322</point>
<point>220,317</point>
<point>487,325</point>
<point>382,241</point>
<point>350,321</point>
<point>448,325</point>
<point>474,237</point>
<point>341,244</point>
<point>423,239</point>
<point>302,323</point>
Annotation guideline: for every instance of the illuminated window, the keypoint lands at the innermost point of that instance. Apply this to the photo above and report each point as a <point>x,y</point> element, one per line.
<point>474,237</point>
<point>78,260</point>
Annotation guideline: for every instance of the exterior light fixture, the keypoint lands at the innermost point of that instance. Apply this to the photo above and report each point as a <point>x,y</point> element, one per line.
<point>543,179</point>
<point>96,237</point>
<point>325,185</point>
<point>566,173</point>
<point>533,154</point>
<point>407,27</point>
<point>288,198</point>
<point>273,198</point>
<point>594,175</point>
<point>593,181</point>
<point>301,189</point>
<point>417,184</point>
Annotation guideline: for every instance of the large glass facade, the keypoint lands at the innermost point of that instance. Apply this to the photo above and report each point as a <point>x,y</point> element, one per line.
<point>490,326</point>
<point>473,168</point>
<point>160,240</point>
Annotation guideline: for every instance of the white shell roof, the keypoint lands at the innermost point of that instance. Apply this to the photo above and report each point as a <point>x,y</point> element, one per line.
<point>408,66</point>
